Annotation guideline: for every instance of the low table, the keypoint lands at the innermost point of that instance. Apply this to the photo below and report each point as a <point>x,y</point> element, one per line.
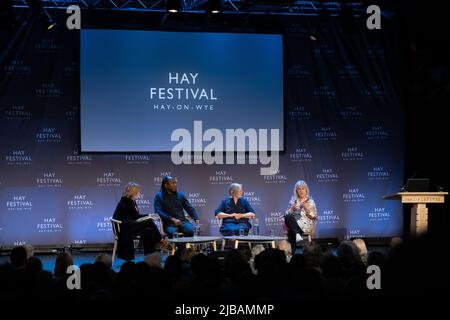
<point>252,239</point>
<point>188,241</point>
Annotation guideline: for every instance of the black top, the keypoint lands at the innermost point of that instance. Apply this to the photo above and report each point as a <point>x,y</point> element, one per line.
<point>171,205</point>
<point>127,210</point>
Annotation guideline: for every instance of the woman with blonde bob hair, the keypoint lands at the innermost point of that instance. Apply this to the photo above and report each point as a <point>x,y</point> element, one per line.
<point>132,190</point>
<point>301,216</point>
<point>134,223</point>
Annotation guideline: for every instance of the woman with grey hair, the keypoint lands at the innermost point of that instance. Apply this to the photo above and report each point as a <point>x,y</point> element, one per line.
<point>301,216</point>
<point>235,212</point>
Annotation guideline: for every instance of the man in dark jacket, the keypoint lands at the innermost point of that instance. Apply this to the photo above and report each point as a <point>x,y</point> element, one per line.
<point>170,205</point>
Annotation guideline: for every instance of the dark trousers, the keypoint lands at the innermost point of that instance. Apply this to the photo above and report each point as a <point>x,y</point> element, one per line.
<point>293,228</point>
<point>148,232</point>
<point>232,229</point>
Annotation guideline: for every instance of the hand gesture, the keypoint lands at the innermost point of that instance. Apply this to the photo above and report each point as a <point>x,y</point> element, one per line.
<point>175,221</point>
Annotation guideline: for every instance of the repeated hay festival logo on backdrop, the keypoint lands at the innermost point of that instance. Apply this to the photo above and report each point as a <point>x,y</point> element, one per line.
<point>49,225</point>
<point>378,173</point>
<point>143,202</point>
<point>78,159</point>
<point>49,179</point>
<point>327,175</point>
<point>137,159</point>
<point>19,203</point>
<point>17,112</point>
<point>157,180</point>
<point>329,217</point>
<point>253,197</point>
<point>274,219</point>
<point>299,112</point>
<point>19,158</point>
<point>109,179</point>
<point>351,113</point>
<point>352,154</point>
<point>220,177</point>
<point>48,135</point>
<point>353,195</point>
<point>197,199</point>
<point>185,95</point>
<point>379,214</point>
<point>80,202</point>
<point>104,224</point>
<point>301,155</point>
<point>17,67</point>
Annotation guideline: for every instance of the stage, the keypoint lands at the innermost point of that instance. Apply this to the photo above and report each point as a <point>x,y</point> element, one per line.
<point>321,121</point>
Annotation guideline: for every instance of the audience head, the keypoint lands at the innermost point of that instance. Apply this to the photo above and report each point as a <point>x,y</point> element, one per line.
<point>30,250</point>
<point>396,242</point>
<point>313,254</point>
<point>173,267</point>
<point>276,258</point>
<point>257,249</point>
<point>18,257</point>
<point>186,255</point>
<point>34,265</point>
<point>341,275</point>
<point>285,246</point>
<point>63,261</point>
<point>199,265</point>
<point>105,259</point>
<point>233,259</point>
<point>298,261</point>
<point>362,249</point>
<point>331,267</point>
<point>377,258</point>
<point>153,260</point>
<point>348,253</point>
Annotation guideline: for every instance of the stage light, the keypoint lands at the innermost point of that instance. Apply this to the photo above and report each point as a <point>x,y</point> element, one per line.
<point>323,18</point>
<point>37,9</point>
<point>49,21</point>
<point>213,6</point>
<point>173,6</point>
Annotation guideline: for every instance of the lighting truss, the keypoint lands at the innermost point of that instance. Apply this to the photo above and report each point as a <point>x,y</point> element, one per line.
<point>289,7</point>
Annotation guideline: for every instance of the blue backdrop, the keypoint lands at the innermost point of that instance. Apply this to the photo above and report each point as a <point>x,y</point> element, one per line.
<point>344,136</point>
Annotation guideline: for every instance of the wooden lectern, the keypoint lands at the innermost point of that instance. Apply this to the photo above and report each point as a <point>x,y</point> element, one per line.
<point>419,211</point>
